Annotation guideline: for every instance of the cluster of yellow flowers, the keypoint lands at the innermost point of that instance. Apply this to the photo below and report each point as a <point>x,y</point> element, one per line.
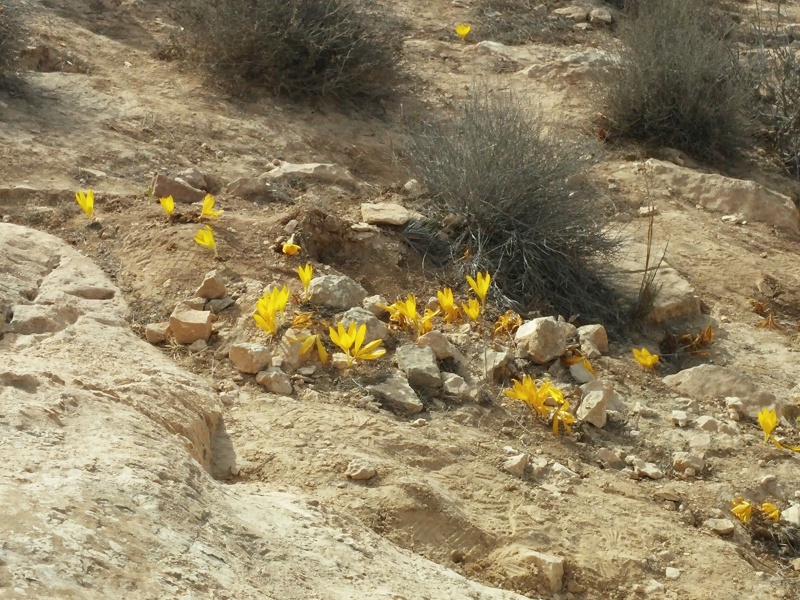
<point>544,400</point>
<point>743,510</point>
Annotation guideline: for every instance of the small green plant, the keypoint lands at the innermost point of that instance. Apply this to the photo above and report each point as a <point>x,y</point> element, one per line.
<point>677,81</point>
<point>346,49</point>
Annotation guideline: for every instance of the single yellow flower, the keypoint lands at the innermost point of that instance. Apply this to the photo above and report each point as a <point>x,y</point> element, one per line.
<point>270,309</point>
<point>768,419</point>
<point>290,248</point>
<point>205,237</point>
<point>425,322</point>
<point>771,511</point>
<point>742,509</point>
<point>86,201</point>
<point>507,323</point>
<point>481,286</point>
<point>452,313</point>
<point>462,30</point>
<point>305,273</point>
<point>168,204</point>
<point>369,352</point>
<point>208,211</point>
<point>472,309</point>
<point>353,337</point>
<point>644,358</point>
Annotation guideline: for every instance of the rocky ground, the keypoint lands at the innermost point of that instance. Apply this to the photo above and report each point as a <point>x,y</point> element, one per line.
<point>163,446</point>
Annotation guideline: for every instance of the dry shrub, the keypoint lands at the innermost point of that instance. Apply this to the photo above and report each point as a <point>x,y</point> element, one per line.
<point>514,22</point>
<point>677,81</point>
<point>509,198</point>
<point>10,39</point>
<point>346,49</point>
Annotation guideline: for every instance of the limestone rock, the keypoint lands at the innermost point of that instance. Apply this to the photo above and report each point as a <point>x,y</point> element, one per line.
<point>596,335</point>
<point>791,515</point>
<point>387,213</point>
<point>337,291</point>
<point>593,409</point>
<point>515,465</point>
<point>195,178</point>
<point>680,418</point>
<point>576,13</point>
<point>155,333</point>
<point>249,358</point>
<point>442,347</point>
<point>613,399</point>
<point>517,558</point>
<point>276,381</point>
<point>396,391</point>
<point>580,373</point>
<point>707,423</point>
<point>713,381</point>
<point>319,172</point>
<point>181,192</point>
<point>360,470</point>
<point>413,188</point>
<point>217,305</point>
<point>419,365</point>
<point>375,304</point>
<point>255,189</point>
<point>541,339</point>
<point>188,325</point>
<point>213,286</point>
<point>724,194</point>
<point>376,329</point>
<point>492,364</point>
<point>454,386</point>
<point>681,461</point>
<point>601,16</point>
<point>720,526</point>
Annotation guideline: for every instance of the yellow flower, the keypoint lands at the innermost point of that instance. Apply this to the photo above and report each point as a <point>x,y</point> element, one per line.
<point>270,309</point>
<point>452,313</point>
<point>208,211</point>
<point>564,417</point>
<point>86,201</point>
<point>205,237</point>
<point>168,204</point>
<point>481,286</point>
<point>771,511</point>
<point>302,320</point>
<point>574,360</point>
<point>462,30</point>
<point>305,273</point>
<point>768,419</point>
<point>309,342</point>
<point>353,337</point>
<point>527,392</point>
<point>473,309</point>
<point>507,323</point>
<point>425,322</point>
<point>290,248</point>
<point>742,509</point>
<point>644,358</point>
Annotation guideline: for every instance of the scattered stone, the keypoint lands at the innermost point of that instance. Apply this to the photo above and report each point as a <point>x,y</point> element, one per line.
<point>651,470</point>
<point>198,346</point>
<point>376,329</point>
<point>596,335</point>
<point>419,364</point>
<point>568,329</point>
<point>707,423</point>
<point>541,339</point>
<point>375,304</point>
<point>276,381</point>
<point>181,192</point>
<point>576,13</point>
<point>688,404</point>
<point>593,409</point>
<point>413,188</point>
<point>320,172</point>
<point>249,358</point>
<point>217,305</point>
<point>516,465</point>
<point>419,422</point>
<point>589,350</point>
<point>155,333</point>
<point>720,526</point>
<point>768,482</point>
<point>337,291</point>
<point>654,587</point>
<point>609,459</point>
<point>194,303</point>
<point>667,496</point>
<point>213,286</point>
<point>613,400</point>
<point>339,361</point>
<point>360,470</point>
<point>255,189</point>
<point>791,515</point>
<point>109,233</point>
<point>724,194</point>
<point>681,461</point>
<point>454,386</point>
<point>601,16</point>
<point>387,213</point>
<point>713,381</point>
<point>551,567</point>
<point>563,471</point>
<point>680,418</point>
<point>188,325</point>
<point>396,390</point>
<point>193,177</point>
<point>493,364</point>
<point>580,373</point>
<point>735,407</point>
<point>672,573</point>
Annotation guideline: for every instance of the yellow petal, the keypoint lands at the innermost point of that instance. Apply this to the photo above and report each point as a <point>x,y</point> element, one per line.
<point>168,204</point>
<point>359,337</point>
<point>768,420</point>
<point>323,354</point>
<point>290,249</point>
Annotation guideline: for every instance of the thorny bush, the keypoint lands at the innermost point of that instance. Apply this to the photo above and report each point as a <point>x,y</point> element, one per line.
<point>515,202</point>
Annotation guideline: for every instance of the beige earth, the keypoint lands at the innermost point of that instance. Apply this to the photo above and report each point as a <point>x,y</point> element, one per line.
<point>136,470</point>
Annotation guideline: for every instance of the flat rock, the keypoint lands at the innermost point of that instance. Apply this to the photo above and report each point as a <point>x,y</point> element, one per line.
<point>181,192</point>
<point>454,386</point>
<point>396,391</point>
<point>727,195</point>
<point>419,365</point>
<point>249,358</point>
<point>387,213</point>
<point>255,189</point>
<point>275,381</point>
<point>713,381</point>
<point>337,291</point>
<point>517,558</point>
<point>320,172</point>
<point>575,12</point>
<point>515,465</point>
<point>360,470</point>
<point>155,333</point>
<point>596,335</point>
<point>683,460</point>
<point>720,526</point>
